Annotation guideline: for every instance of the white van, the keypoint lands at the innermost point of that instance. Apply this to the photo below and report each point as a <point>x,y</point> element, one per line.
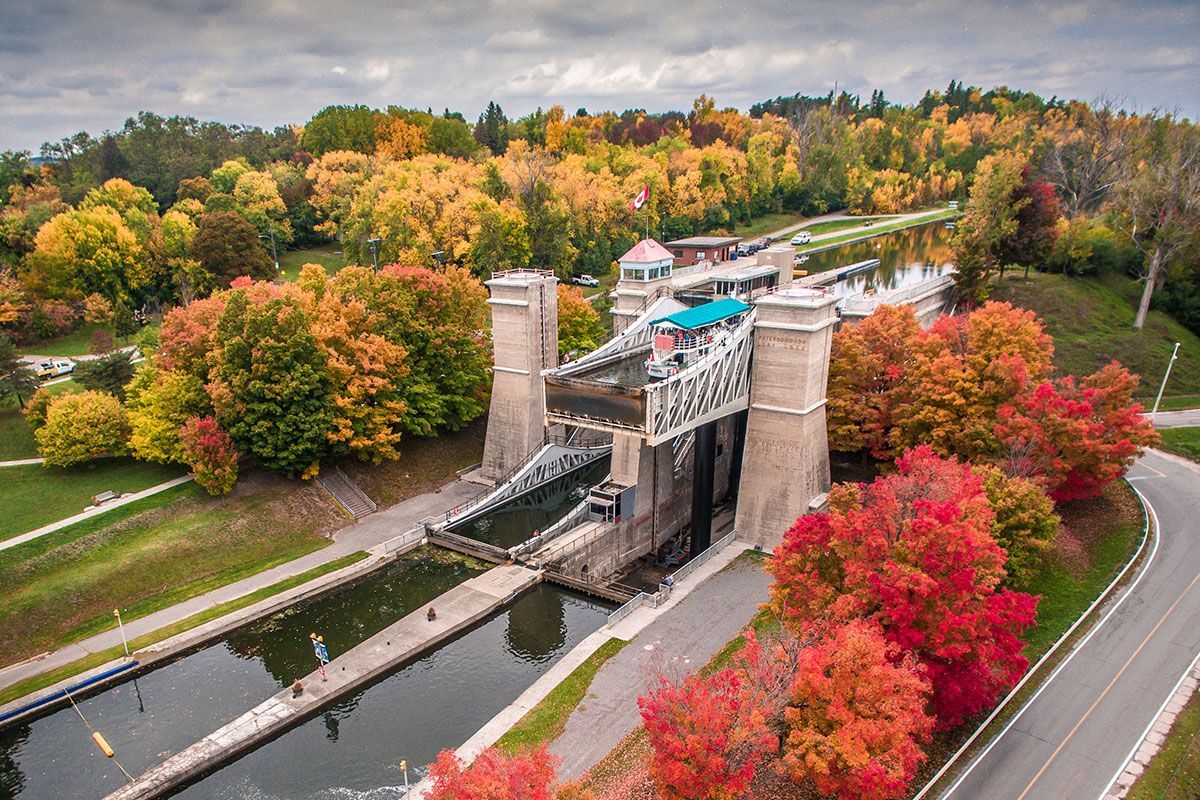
<point>803,237</point>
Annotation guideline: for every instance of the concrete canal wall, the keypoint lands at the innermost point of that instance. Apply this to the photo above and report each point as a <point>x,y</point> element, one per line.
<point>457,609</point>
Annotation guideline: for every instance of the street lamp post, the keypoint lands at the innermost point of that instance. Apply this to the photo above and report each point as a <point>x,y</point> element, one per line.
<point>1167,374</point>
<point>274,255</point>
<point>374,243</point>
<point>404,767</point>
<point>121,625</point>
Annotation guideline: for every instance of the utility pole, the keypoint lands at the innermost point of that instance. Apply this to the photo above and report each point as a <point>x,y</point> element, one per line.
<point>1167,374</point>
<point>374,243</point>
<point>274,255</point>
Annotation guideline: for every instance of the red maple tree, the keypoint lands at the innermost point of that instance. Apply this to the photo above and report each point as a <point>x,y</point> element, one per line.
<point>1078,437</point>
<point>913,553</point>
<point>857,716</point>
<point>707,739</point>
<point>493,776</point>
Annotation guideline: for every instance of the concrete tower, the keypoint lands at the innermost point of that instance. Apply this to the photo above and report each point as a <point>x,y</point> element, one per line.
<point>645,269</point>
<point>524,342</point>
<point>786,467</point>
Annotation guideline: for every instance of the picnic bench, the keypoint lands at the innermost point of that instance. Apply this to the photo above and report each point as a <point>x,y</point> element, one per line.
<point>104,497</point>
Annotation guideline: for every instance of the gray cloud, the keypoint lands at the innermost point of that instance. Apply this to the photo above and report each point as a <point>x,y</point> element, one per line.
<point>67,65</point>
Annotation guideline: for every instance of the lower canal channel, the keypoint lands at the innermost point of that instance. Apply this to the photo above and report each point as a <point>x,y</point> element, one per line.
<point>353,748</point>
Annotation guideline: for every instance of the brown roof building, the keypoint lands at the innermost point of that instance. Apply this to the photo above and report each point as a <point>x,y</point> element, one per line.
<point>695,249</point>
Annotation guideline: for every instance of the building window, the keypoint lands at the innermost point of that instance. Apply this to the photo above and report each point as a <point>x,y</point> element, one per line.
<point>700,254</point>
<point>678,253</point>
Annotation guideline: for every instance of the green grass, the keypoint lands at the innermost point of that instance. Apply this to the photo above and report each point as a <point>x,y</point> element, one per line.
<point>328,256</point>
<point>1174,774</point>
<point>1182,441</point>
<point>932,216</point>
<point>36,495</point>
<point>831,225</point>
<point>73,344</point>
<point>63,587</point>
<point>16,436</point>
<point>761,226</point>
<point>1092,323</point>
<point>547,719</point>
<point>1183,402</point>
<point>29,685</point>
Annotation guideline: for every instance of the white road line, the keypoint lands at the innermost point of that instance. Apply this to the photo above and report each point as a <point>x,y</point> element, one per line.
<point>1108,615</point>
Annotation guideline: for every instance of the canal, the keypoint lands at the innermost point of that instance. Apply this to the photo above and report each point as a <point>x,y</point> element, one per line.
<point>905,257</point>
<point>436,701</point>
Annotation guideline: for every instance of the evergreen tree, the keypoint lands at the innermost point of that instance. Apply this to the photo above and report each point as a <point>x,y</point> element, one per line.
<point>16,378</point>
<point>491,129</point>
<point>107,374</point>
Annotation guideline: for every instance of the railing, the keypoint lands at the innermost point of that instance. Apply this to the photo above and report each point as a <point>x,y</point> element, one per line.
<point>896,296</point>
<point>639,600</point>
<point>404,540</point>
<point>504,273</point>
<point>695,563</point>
<point>359,493</point>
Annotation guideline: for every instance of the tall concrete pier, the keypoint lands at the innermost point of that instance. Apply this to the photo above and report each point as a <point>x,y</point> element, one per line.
<point>786,469</point>
<point>524,341</point>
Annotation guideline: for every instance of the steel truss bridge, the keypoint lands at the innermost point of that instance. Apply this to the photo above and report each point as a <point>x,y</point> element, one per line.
<point>609,389</point>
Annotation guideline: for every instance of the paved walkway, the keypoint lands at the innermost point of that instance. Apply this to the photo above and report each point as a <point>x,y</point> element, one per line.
<point>1189,418</point>
<point>881,220</point>
<point>675,644</point>
<point>94,511</point>
<point>22,462</point>
<point>369,532</point>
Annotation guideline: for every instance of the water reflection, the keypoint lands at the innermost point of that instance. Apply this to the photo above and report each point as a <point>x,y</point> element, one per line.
<point>906,257</point>
<point>438,701</point>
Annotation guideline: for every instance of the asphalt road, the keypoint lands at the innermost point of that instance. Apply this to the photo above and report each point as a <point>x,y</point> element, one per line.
<point>1070,740</point>
<point>1177,419</point>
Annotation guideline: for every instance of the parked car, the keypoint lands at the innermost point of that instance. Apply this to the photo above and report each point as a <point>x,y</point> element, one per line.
<point>744,249</point>
<point>803,237</point>
<point>55,367</point>
<point>585,280</point>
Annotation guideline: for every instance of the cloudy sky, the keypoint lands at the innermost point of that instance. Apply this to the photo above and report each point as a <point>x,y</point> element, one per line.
<point>70,65</point>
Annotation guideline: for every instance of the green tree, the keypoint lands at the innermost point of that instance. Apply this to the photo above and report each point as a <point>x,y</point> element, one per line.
<point>272,390</point>
<point>16,377</point>
<point>989,223</point>
<point>159,403</point>
<point>108,373</point>
<point>124,325</point>
<point>227,246</point>
<point>341,128</point>
<point>491,130</point>
<point>451,137</point>
<point>80,427</point>
<point>1025,524</point>
<point>579,326</point>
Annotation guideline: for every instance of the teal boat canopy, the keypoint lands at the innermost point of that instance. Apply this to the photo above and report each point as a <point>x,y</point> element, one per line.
<point>702,316</point>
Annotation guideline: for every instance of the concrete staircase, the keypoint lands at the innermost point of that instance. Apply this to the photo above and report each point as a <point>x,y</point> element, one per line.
<point>346,492</point>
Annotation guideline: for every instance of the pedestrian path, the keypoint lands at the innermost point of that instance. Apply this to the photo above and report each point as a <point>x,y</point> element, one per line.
<point>22,462</point>
<point>94,511</point>
<point>372,531</point>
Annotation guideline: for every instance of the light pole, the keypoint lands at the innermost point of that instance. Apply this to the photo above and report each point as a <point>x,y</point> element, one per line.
<point>121,625</point>
<point>274,255</point>
<point>375,252</point>
<point>404,766</point>
<point>1167,374</point>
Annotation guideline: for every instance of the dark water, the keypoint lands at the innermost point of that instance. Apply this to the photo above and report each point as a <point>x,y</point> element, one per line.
<point>352,751</point>
<point>147,719</point>
<point>516,521</point>
<point>906,257</point>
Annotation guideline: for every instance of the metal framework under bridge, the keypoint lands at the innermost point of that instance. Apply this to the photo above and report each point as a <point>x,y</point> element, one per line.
<point>609,390</point>
<point>551,461</point>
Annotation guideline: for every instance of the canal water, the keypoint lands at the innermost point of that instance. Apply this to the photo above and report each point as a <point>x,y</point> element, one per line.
<point>437,701</point>
<point>516,520</point>
<point>906,257</point>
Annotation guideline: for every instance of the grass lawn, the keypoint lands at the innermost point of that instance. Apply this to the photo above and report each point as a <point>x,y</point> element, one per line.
<point>761,226</point>
<point>1174,774</point>
<point>64,586</point>
<point>1181,402</point>
<point>932,216</point>
<point>607,282</point>
<point>328,256</point>
<point>36,495</point>
<point>73,344</point>
<point>1182,441</point>
<point>16,437</point>
<point>831,225</point>
<point>547,719</point>
<point>22,688</point>
<point>1092,323</point>
<point>424,464</point>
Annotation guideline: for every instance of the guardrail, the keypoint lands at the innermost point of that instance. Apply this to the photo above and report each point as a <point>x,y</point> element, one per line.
<point>639,600</point>
<point>896,296</point>
<point>695,563</point>
<point>405,539</point>
<point>656,599</point>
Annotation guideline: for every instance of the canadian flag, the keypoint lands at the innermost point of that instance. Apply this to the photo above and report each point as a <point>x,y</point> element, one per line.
<point>641,199</point>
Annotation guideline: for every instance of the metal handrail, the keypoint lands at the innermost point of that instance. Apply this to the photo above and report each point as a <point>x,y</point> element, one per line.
<point>897,296</point>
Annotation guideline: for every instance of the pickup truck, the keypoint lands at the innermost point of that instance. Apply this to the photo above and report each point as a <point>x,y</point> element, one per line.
<point>55,367</point>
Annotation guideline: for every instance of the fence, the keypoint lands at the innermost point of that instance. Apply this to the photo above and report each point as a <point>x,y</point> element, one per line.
<point>867,305</point>
<point>695,563</point>
<point>405,539</point>
<point>664,590</point>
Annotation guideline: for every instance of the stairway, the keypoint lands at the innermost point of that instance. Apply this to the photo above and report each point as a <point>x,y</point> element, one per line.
<point>346,492</point>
